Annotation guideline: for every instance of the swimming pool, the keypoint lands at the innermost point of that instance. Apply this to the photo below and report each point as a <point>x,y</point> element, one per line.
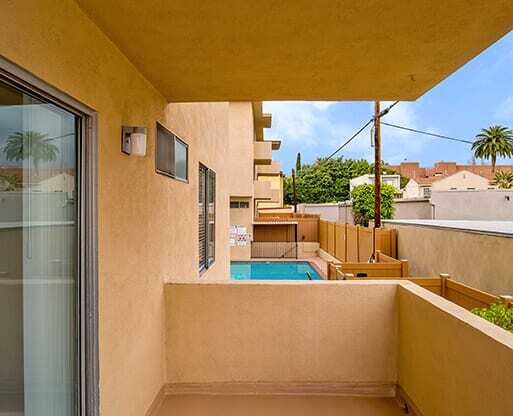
<point>272,270</point>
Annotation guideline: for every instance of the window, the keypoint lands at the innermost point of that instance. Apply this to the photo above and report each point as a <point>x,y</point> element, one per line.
<point>171,156</point>
<point>239,204</point>
<point>207,217</point>
<point>427,192</point>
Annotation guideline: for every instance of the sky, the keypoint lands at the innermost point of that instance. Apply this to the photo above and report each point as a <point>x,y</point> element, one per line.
<point>476,96</point>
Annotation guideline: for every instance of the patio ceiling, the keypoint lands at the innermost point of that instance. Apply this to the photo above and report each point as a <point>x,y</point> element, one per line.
<point>196,50</point>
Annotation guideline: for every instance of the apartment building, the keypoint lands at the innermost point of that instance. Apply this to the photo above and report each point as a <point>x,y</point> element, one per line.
<point>255,178</point>
<point>114,293</point>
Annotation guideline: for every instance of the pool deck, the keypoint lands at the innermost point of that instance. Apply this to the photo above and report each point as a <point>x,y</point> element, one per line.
<point>319,265</point>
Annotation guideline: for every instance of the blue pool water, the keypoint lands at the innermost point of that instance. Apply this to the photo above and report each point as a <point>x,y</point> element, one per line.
<point>272,270</point>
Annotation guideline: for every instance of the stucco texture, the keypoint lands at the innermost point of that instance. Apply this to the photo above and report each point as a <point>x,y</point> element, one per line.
<point>451,362</point>
<point>476,259</point>
<point>281,332</point>
<point>147,222</point>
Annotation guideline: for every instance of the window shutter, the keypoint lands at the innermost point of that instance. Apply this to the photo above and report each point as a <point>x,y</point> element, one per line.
<point>202,237</point>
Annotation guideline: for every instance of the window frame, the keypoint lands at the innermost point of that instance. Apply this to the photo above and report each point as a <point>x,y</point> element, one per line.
<point>175,138</point>
<point>87,228</point>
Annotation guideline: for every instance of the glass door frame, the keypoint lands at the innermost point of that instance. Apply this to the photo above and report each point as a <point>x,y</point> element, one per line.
<point>87,224</point>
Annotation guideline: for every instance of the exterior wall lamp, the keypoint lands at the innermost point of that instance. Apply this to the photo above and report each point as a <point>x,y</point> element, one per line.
<point>133,141</point>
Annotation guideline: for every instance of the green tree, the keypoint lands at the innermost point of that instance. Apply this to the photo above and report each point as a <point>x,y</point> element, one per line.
<point>492,142</point>
<point>326,180</point>
<point>30,145</point>
<point>504,179</point>
<point>298,162</point>
<point>362,197</point>
<point>288,193</point>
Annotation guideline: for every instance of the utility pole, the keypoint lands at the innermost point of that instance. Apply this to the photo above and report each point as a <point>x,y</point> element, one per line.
<point>294,189</point>
<point>377,167</point>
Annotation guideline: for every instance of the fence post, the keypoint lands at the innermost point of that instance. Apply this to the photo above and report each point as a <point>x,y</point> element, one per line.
<point>443,283</point>
<point>404,268</point>
<point>358,243</point>
<point>507,300</point>
<point>345,241</point>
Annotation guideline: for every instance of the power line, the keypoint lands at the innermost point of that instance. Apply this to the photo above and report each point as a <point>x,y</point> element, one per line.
<point>381,114</point>
<point>440,136</point>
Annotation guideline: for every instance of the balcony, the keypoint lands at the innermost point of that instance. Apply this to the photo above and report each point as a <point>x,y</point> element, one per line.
<point>273,169</point>
<point>262,190</point>
<point>357,347</point>
<point>263,153</point>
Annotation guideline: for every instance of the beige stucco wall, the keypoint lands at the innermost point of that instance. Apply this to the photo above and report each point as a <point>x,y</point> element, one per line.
<point>281,332</point>
<point>476,259</point>
<point>489,204</point>
<point>147,222</point>
<point>451,362</point>
<point>461,180</point>
<point>241,149</point>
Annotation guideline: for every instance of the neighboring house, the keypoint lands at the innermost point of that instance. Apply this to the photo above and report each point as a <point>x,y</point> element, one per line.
<point>394,180</point>
<point>422,187</point>
<point>61,182</point>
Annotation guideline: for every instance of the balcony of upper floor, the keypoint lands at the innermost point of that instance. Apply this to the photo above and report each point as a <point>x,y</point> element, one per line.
<point>273,169</point>
<point>263,153</point>
<point>262,190</point>
<point>363,348</point>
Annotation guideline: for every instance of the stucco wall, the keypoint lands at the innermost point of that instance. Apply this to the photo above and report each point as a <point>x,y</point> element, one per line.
<point>147,222</point>
<point>241,151</point>
<point>496,205</point>
<point>476,259</point>
<point>343,211</point>
<point>281,332</point>
<point>461,180</point>
<point>451,362</point>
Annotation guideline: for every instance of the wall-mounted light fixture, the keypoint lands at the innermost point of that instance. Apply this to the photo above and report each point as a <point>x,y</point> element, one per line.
<point>133,141</point>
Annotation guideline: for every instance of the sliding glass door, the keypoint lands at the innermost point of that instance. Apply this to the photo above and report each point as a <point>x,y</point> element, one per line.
<point>39,263</point>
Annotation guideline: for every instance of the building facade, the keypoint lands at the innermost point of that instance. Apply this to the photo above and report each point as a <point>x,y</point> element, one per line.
<point>108,284</point>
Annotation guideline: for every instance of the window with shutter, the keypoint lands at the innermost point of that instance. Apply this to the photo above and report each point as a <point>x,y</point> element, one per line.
<point>207,217</point>
<point>202,217</point>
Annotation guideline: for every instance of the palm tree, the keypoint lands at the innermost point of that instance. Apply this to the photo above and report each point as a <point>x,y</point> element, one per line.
<point>30,144</point>
<point>504,179</point>
<point>492,142</point>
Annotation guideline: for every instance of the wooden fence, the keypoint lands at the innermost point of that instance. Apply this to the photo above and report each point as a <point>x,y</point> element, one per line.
<point>353,243</point>
<point>385,266</point>
<point>456,292</point>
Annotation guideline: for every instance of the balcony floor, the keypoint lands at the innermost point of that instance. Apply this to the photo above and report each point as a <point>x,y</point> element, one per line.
<point>254,405</point>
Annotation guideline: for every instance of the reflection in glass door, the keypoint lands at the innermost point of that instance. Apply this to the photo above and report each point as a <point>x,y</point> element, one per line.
<point>38,257</point>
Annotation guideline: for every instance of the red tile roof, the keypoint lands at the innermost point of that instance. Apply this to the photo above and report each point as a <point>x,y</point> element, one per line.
<point>428,175</point>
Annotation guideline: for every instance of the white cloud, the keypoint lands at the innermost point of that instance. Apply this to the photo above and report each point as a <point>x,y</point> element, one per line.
<point>308,124</point>
<point>322,105</point>
<point>505,109</point>
<point>304,122</point>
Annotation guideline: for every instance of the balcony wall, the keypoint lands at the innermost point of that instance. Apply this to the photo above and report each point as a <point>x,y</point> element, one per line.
<point>452,362</point>
<point>340,337</point>
<point>262,190</point>
<point>273,169</point>
<point>263,153</point>
<point>347,338</point>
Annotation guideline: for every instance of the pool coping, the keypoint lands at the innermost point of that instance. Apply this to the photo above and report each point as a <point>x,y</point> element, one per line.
<point>312,264</point>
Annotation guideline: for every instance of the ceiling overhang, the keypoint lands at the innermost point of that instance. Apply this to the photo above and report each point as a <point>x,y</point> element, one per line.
<point>231,50</point>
